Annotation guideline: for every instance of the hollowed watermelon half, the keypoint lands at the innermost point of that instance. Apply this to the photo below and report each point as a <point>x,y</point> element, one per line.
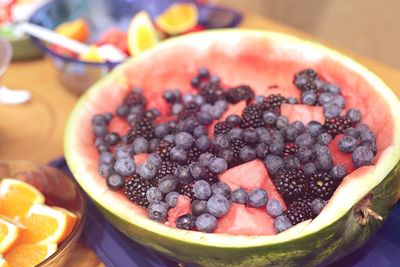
<point>259,59</point>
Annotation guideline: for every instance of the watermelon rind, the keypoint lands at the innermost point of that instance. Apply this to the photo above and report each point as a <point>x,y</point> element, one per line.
<point>332,235</point>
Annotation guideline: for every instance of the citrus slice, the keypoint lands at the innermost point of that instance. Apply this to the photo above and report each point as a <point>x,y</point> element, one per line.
<point>44,225</point>
<point>3,262</point>
<point>29,255</point>
<point>92,55</point>
<point>17,197</point>
<point>71,221</point>
<point>178,18</point>
<point>9,233</point>
<point>76,29</point>
<point>141,34</point>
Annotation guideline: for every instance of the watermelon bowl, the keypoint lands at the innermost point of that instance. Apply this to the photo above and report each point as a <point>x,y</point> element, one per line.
<point>262,60</point>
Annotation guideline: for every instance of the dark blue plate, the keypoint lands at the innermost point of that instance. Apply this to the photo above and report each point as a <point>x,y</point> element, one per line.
<point>116,250</point>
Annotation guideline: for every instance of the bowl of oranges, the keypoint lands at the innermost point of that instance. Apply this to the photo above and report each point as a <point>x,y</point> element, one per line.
<point>42,213</point>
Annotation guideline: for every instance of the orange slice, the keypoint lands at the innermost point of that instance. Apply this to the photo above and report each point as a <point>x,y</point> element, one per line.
<point>141,34</point>
<point>76,29</point>
<point>9,233</point>
<point>92,55</point>
<point>3,262</point>
<point>178,18</point>
<point>71,221</point>
<point>44,225</point>
<point>29,255</point>
<point>17,197</point>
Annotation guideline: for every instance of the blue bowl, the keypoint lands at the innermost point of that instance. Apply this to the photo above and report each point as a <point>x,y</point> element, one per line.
<point>101,15</point>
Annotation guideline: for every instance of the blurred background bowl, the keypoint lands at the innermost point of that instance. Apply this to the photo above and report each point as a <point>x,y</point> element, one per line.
<point>59,190</point>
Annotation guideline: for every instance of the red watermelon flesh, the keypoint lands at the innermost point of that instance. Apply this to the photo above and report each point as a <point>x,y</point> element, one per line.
<point>182,207</point>
<point>236,109</point>
<point>339,157</point>
<point>302,113</point>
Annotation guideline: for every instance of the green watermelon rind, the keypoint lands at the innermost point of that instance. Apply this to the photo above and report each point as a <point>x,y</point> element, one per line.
<point>306,244</point>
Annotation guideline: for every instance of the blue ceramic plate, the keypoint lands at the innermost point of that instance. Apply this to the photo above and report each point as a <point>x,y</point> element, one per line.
<point>116,250</point>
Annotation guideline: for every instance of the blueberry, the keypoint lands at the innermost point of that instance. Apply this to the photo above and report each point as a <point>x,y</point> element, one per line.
<point>299,126</point>
<point>183,174</point>
<point>235,133</point>
<point>264,135</point>
<point>325,98</point>
<point>176,108</point>
<point>205,159</point>
<point>158,211</point>
<point>282,122</point>
<point>277,147</point>
<point>187,98</point>
<point>274,208</point>
<point>338,172</point>
<point>354,115</point>
<point>304,139</point>
<point>170,138</point>
<point>196,170</point>
<point>239,195</point>
<point>202,189</point>
<point>221,141</point>
<point>234,119</point>
<point>206,223</point>
<point>291,133</point>
<point>247,153</point>
<point>167,184</point>
<point>98,119</point>
<point>108,116</point>
<point>103,148</point>
<point>153,144</point>
<point>171,199</point>
<point>186,222</point>
<point>250,136</point>
<point>178,154</point>
<point>259,99</point>
<point>221,188</point>
<point>362,156</point>
<point>218,205</point>
<point>305,154</point>
<point>206,107</point>
<point>269,118</point>
<point>125,166</point>
<point>351,131</point>
<point>370,145</point>
<point>204,118</point>
<point>282,223</point>
<point>331,88</point>
<point>203,73</point>
<point>115,182</point>
<point>366,136</point>
<point>137,110</point>
<point>203,143</point>
<point>169,96</point>
<point>162,130</point>
<point>227,154</point>
<point>154,159</point>
<point>273,164</point>
<point>122,110</point>
<point>217,165</point>
<point>292,162</point>
<point>106,157</point>
<point>215,79</point>
<point>314,128</point>
<point>331,110</point>
<point>317,205</point>
<point>324,157</point>
<point>198,207</point>
<point>100,130</point>
<point>223,104</point>
<point>105,169</point>
<point>309,169</point>
<point>189,124</point>
<point>199,131</point>
<point>123,151</point>
<point>154,195</point>
<point>339,101</point>
<point>292,100</point>
<point>199,100</point>
<point>184,140</point>
<point>195,82</point>
<point>140,145</point>
<point>216,112</point>
<point>262,150</point>
<point>147,171</point>
<point>258,198</point>
<point>347,144</point>
<point>132,118</point>
<point>324,139</point>
<point>308,98</point>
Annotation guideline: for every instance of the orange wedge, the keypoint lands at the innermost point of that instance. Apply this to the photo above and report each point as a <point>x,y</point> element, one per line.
<point>9,233</point>
<point>44,225</point>
<point>29,255</point>
<point>76,29</point>
<point>17,197</point>
<point>178,18</point>
<point>71,221</point>
<point>141,34</point>
<point>3,262</point>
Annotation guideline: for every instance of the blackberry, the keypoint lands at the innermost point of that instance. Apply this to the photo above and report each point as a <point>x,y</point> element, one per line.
<point>337,125</point>
<point>134,98</point>
<point>252,116</point>
<point>305,80</point>
<point>166,168</point>
<point>236,146</point>
<point>274,102</point>
<point>193,154</point>
<point>322,185</point>
<point>135,190</point>
<point>211,92</point>
<point>222,127</point>
<point>164,149</point>
<point>187,190</point>
<point>299,211</point>
<point>237,94</point>
<point>210,177</point>
<point>290,149</point>
<point>290,184</point>
<point>190,110</point>
<point>144,127</point>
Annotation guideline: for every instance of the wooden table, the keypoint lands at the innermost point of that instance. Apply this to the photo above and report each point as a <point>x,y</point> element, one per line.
<point>35,131</point>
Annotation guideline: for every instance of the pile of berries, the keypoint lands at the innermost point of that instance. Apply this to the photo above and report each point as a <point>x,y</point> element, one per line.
<point>184,160</point>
